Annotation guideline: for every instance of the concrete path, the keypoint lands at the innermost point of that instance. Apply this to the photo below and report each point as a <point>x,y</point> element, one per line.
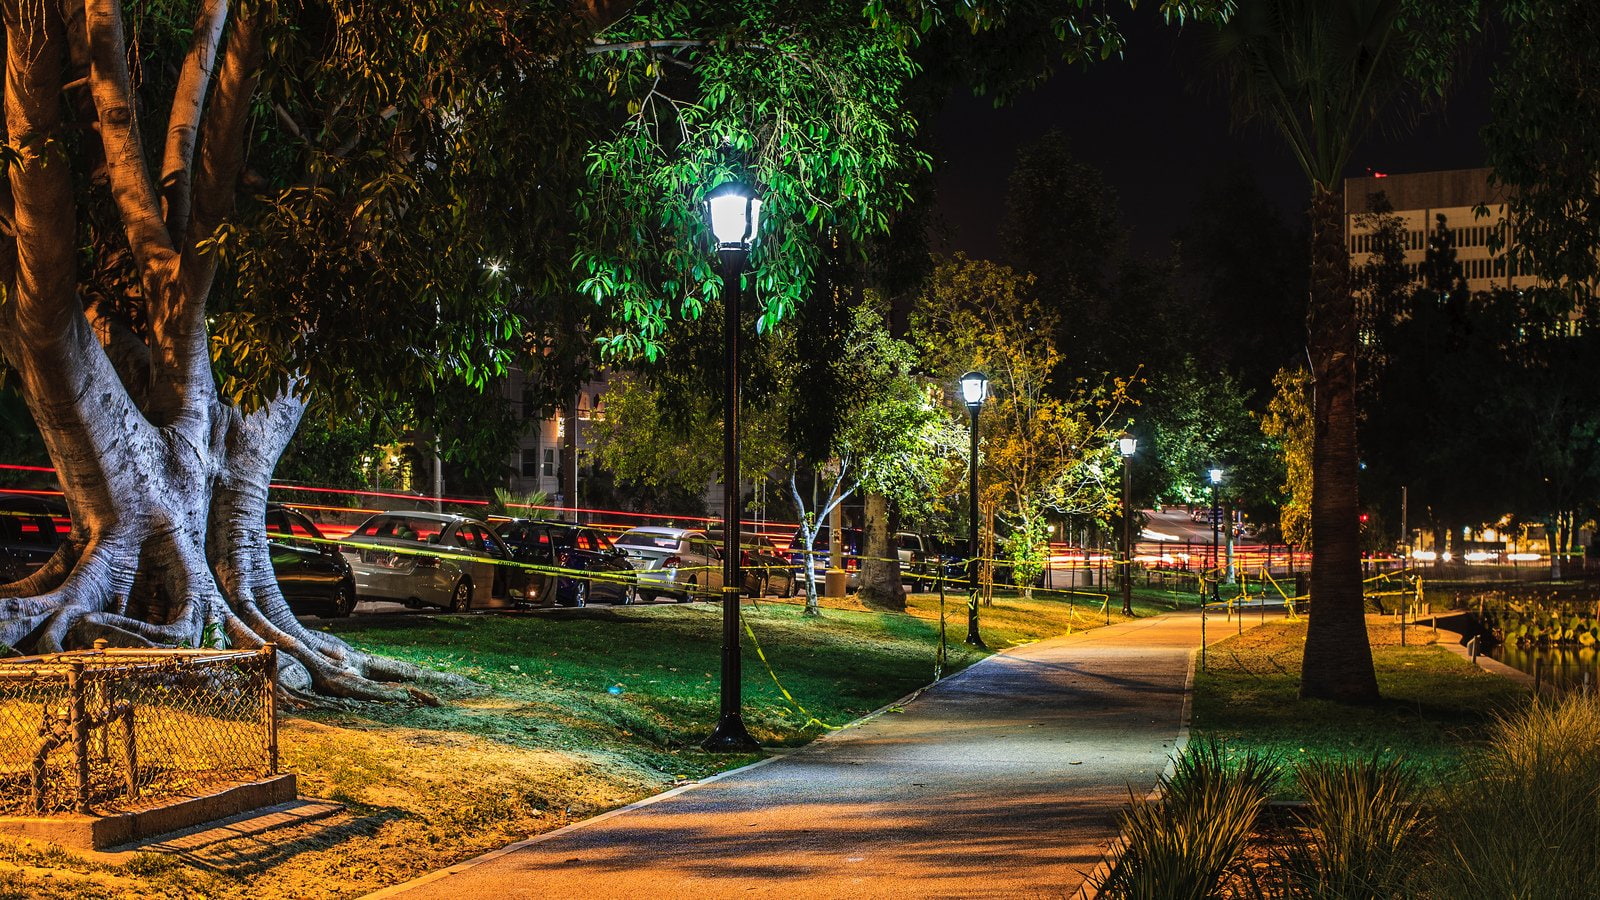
<point>1003,780</point>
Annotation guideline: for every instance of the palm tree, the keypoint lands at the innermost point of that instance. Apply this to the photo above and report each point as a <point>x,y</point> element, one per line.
<point>1322,72</point>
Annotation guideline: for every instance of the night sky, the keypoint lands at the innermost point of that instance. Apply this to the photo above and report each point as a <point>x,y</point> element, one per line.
<point>1159,126</point>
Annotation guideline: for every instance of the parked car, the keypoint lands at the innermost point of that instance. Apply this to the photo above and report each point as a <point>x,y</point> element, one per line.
<point>313,576</point>
<point>764,565</point>
<point>851,545</point>
<point>917,560</point>
<point>432,559</point>
<point>31,528</point>
<point>679,562</point>
<point>570,546</point>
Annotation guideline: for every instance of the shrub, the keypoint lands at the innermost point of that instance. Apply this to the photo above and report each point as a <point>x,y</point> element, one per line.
<point>1186,842</point>
<point>1364,822</point>
<point>1525,822</point>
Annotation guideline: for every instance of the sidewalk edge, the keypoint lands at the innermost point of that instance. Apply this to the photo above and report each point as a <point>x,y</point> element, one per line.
<point>1113,852</point>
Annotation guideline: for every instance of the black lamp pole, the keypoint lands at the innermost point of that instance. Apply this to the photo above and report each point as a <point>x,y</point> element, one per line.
<point>730,735</point>
<point>973,637</point>
<point>1127,536</point>
<point>1216,521</point>
<point>974,390</point>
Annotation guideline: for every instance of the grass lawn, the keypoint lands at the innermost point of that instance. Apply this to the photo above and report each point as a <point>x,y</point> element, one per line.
<point>581,711</point>
<point>1435,705</point>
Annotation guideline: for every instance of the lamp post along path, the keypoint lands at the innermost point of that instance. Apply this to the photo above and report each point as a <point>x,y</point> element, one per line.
<point>1126,445</point>
<point>1216,522</point>
<point>735,214</point>
<point>974,390</point>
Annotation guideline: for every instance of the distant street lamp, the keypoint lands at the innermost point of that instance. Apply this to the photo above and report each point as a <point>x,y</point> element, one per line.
<point>974,390</point>
<point>1126,445</point>
<point>734,212</point>
<point>1216,522</point>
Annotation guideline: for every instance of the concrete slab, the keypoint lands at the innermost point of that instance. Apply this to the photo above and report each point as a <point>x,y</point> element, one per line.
<point>98,832</point>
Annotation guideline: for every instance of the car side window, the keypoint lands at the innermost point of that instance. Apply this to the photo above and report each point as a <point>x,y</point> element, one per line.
<point>583,541</point>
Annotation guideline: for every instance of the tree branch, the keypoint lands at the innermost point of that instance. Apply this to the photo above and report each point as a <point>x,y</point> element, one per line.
<point>43,292</point>
<point>183,127</point>
<point>222,135</point>
<point>666,44</point>
<point>114,102</point>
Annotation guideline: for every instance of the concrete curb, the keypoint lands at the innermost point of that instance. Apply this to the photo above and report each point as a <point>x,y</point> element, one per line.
<point>1492,666</point>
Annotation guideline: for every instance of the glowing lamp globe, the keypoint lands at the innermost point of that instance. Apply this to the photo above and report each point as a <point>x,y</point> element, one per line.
<point>974,388</point>
<point>735,214</point>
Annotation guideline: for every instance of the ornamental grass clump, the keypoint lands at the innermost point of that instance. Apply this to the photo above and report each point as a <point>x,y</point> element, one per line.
<point>1365,823</point>
<point>1525,822</point>
<point>1187,841</point>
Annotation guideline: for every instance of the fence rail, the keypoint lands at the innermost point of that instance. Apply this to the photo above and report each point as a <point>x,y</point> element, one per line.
<point>110,730</point>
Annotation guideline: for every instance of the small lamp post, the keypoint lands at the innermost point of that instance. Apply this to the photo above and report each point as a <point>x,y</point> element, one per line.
<point>974,390</point>
<point>734,213</point>
<point>1216,522</point>
<point>1126,445</point>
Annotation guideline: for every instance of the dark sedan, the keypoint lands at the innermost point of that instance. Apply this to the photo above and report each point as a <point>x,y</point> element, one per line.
<point>31,528</point>
<point>572,547</point>
<point>313,575</point>
<point>767,570</point>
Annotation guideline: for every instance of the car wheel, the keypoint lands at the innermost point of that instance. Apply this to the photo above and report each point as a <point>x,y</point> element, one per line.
<point>688,596</point>
<point>630,595</point>
<point>647,596</point>
<point>580,594</point>
<point>461,598</point>
<point>344,601</point>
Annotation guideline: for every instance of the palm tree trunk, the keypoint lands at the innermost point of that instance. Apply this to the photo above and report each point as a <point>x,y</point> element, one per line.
<point>1338,657</point>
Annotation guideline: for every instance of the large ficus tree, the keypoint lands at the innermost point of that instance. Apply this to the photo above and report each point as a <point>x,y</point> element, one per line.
<point>215,215</point>
<point>167,337</point>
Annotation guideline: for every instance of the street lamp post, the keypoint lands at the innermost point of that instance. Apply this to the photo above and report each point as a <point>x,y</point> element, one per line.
<point>974,390</point>
<point>1216,522</point>
<point>1126,445</point>
<point>735,214</point>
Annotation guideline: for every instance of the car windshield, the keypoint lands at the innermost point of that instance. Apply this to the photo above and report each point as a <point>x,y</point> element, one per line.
<point>405,528</point>
<point>649,539</point>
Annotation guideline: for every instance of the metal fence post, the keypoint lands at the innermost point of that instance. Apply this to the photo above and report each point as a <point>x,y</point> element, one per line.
<point>269,681</point>
<point>80,732</point>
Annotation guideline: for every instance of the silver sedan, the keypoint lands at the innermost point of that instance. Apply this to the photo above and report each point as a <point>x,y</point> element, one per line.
<point>432,559</point>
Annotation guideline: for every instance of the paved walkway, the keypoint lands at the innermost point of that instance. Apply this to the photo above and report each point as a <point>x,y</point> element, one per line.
<point>1003,780</point>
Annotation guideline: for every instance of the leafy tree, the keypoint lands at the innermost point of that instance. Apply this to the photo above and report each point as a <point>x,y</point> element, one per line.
<point>1321,74</point>
<point>896,443</point>
<point>1288,422</point>
<point>1042,455</point>
<point>663,446</point>
<point>1543,141</point>
<point>1062,227</point>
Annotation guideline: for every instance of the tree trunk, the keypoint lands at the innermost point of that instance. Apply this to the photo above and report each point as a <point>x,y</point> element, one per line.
<point>880,565</point>
<point>1338,656</point>
<point>165,483</point>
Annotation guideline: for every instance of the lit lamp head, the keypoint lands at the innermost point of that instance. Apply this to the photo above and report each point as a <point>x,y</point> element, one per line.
<point>1127,444</point>
<point>974,389</point>
<point>1216,476</point>
<point>735,214</point>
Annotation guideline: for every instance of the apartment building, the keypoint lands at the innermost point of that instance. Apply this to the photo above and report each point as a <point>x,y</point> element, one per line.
<point>1419,198</point>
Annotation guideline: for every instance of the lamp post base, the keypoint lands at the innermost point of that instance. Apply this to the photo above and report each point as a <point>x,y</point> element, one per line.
<point>730,736</point>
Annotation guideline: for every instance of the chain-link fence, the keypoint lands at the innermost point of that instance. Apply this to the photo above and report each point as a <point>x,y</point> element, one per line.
<point>109,730</point>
